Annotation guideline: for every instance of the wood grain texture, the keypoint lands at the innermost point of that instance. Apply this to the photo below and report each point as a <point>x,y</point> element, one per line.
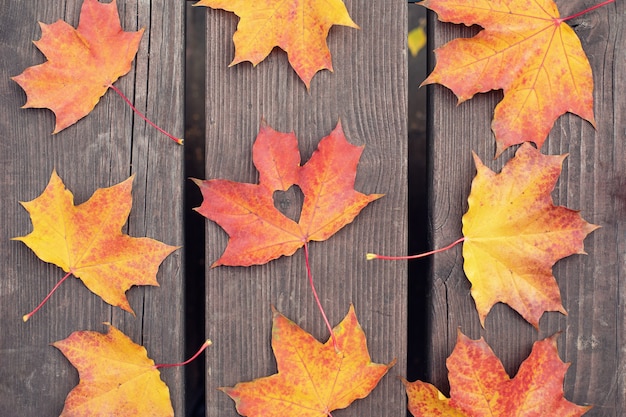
<point>593,181</point>
<point>367,91</point>
<point>100,150</point>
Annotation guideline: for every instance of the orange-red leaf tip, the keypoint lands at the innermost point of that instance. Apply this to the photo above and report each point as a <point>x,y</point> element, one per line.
<point>197,182</point>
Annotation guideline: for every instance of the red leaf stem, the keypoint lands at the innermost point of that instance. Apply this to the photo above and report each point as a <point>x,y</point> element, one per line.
<point>317,299</point>
<point>170,365</point>
<point>372,256</point>
<point>119,92</point>
<point>25,317</point>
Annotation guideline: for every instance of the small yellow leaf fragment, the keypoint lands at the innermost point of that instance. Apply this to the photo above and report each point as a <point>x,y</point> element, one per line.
<point>417,39</point>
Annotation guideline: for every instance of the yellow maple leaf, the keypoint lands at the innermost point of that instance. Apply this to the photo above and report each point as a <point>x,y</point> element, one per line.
<point>116,377</point>
<point>299,27</point>
<point>514,235</point>
<point>480,387</point>
<point>86,240</point>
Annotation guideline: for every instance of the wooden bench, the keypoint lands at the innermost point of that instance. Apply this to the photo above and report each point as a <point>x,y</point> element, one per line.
<point>368,92</point>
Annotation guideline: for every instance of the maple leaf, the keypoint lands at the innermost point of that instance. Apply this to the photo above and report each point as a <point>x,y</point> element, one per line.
<point>514,235</point>
<point>313,379</point>
<point>526,50</point>
<point>258,231</point>
<point>82,63</point>
<point>86,240</point>
<point>299,27</point>
<point>480,387</point>
<point>116,377</point>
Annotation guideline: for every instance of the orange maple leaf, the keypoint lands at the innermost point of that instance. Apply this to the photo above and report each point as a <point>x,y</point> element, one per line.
<point>86,240</point>
<point>526,50</point>
<point>313,379</point>
<point>480,387</point>
<point>116,377</point>
<point>298,27</point>
<point>514,235</point>
<point>258,231</point>
<point>82,63</point>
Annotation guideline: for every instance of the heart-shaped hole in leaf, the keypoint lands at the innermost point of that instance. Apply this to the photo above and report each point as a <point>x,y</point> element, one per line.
<point>289,202</point>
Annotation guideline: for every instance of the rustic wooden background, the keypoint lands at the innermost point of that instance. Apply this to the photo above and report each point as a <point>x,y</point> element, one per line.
<point>593,181</point>
<point>368,92</point>
<point>101,150</point>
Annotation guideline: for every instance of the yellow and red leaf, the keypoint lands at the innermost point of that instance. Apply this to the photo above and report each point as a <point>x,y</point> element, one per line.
<point>480,387</point>
<point>299,27</point>
<point>81,64</point>
<point>116,377</point>
<point>524,49</point>
<point>87,240</point>
<point>514,234</point>
<point>313,379</point>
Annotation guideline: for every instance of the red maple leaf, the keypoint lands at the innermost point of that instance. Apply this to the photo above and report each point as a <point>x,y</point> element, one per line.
<point>480,387</point>
<point>258,231</point>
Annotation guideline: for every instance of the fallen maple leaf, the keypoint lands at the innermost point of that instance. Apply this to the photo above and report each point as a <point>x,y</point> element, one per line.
<point>480,387</point>
<point>86,240</point>
<point>116,377</point>
<point>258,231</point>
<point>514,235</point>
<point>313,379</point>
<point>526,50</point>
<point>82,64</point>
<point>299,27</point>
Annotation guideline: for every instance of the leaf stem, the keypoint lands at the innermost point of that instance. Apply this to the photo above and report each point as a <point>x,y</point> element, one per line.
<point>317,299</point>
<point>25,317</point>
<point>206,344</point>
<point>575,15</point>
<point>119,92</point>
<point>372,256</point>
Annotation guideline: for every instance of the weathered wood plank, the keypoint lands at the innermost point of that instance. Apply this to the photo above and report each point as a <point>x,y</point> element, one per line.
<point>100,150</point>
<point>367,92</point>
<point>592,181</point>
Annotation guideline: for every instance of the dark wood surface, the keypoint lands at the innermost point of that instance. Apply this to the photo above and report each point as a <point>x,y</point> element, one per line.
<point>100,150</point>
<point>593,180</point>
<point>367,91</point>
